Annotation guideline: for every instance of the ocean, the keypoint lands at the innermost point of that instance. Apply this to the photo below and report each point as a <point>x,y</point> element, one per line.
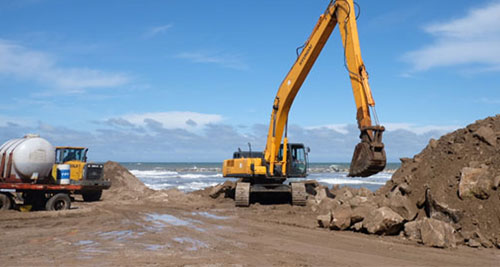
<point>191,176</point>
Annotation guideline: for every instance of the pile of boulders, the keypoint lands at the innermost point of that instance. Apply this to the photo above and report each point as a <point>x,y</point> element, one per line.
<point>442,197</point>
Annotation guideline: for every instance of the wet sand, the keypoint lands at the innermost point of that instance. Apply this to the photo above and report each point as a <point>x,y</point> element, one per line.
<point>174,229</point>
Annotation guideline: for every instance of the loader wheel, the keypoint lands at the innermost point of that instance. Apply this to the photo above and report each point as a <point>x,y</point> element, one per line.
<point>59,201</point>
<point>298,194</point>
<point>90,196</point>
<point>5,202</point>
<point>242,194</point>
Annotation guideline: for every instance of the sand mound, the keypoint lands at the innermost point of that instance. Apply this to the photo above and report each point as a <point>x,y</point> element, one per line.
<point>124,185</point>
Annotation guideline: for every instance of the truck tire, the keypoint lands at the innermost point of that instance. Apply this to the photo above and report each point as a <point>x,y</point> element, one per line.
<point>5,202</point>
<point>59,201</point>
<point>90,196</point>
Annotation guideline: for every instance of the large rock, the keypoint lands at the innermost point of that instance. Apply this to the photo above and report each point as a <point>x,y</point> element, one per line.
<point>437,233</point>
<point>474,182</point>
<point>439,210</point>
<point>357,226</point>
<point>341,217</point>
<point>383,221</point>
<point>487,135</point>
<point>357,201</point>
<point>365,192</point>
<point>322,192</point>
<point>403,206</point>
<point>477,239</point>
<point>311,186</point>
<point>221,189</point>
<point>412,230</point>
<point>362,211</point>
<point>326,205</point>
<point>344,195</point>
<point>324,220</point>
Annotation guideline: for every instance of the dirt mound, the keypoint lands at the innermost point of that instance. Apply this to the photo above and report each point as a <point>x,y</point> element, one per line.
<point>448,194</point>
<point>124,185</point>
<point>455,179</point>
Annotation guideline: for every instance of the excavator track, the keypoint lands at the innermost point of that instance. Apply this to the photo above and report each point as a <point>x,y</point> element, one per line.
<point>242,194</point>
<point>298,194</point>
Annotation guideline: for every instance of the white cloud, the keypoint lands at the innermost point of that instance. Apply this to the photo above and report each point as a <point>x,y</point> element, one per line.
<point>157,30</point>
<point>340,128</point>
<point>174,119</point>
<point>8,120</point>
<point>21,62</point>
<point>420,129</point>
<point>471,39</point>
<point>226,60</point>
<point>167,138</point>
<point>410,127</point>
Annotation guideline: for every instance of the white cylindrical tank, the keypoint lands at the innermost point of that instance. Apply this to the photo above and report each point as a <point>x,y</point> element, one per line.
<point>32,157</point>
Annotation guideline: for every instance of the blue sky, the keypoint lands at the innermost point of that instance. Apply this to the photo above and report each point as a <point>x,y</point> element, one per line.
<point>193,80</point>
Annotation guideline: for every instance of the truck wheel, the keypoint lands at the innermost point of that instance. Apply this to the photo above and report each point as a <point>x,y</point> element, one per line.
<point>59,201</point>
<point>5,202</point>
<point>91,196</point>
<point>242,194</point>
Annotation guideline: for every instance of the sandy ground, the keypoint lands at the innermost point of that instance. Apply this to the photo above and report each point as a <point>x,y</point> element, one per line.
<point>180,230</point>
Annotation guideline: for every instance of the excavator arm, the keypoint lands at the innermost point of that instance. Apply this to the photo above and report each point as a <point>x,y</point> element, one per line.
<point>369,155</point>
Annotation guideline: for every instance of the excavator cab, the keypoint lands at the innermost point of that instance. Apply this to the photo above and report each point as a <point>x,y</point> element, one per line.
<point>297,159</point>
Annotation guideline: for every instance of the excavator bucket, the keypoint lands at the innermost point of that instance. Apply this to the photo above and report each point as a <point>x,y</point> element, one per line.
<point>369,155</point>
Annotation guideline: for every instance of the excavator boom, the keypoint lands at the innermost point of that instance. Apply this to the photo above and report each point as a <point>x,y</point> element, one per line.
<point>266,171</point>
<point>369,156</point>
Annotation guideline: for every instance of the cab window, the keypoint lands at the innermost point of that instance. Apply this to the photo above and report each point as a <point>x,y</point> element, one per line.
<point>72,154</point>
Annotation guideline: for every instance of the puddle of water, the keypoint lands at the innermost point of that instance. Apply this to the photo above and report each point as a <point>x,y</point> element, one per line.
<point>155,247</point>
<point>120,235</point>
<point>89,247</point>
<point>84,242</point>
<point>210,215</point>
<point>167,218</point>
<point>159,221</point>
<point>195,244</point>
<point>92,250</point>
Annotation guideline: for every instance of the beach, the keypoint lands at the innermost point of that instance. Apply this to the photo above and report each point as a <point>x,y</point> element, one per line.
<point>134,225</point>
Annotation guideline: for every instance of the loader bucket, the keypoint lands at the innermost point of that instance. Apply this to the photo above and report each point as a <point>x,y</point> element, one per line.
<point>369,155</point>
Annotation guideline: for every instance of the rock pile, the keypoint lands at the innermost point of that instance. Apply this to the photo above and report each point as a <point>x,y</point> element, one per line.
<point>446,195</point>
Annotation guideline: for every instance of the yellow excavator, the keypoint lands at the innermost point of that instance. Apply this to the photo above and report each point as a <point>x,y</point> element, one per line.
<point>266,171</point>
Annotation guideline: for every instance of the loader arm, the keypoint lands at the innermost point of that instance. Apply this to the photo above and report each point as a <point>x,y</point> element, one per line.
<point>369,155</point>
